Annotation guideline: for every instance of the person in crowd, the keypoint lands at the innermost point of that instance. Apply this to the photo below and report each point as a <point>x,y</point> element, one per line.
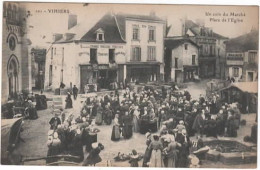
<point>93,158</point>
<point>231,124</point>
<point>75,92</point>
<point>99,116</point>
<point>172,152</point>
<point>108,114</point>
<point>55,121</point>
<point>198,125</point>
<point>156,156</point>
<point>134,158</point>
<point>136,114</point>
<point>31,111</point>
<point>127,123</point>
<point>184,149</point>
<point>116,129</point>
<point>148,151</point>
<point>68,102</point>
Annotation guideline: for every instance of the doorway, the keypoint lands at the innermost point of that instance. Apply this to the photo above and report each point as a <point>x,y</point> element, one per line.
<point>250,76</point>
<point>12,71</point>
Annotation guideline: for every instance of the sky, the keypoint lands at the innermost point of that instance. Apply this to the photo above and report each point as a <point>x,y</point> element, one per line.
<point>41,25</point>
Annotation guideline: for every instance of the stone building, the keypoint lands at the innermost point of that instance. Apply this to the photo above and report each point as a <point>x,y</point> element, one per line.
<point>181,59</point>
<point>118,48</point>
<point>242,57</point>
<point>15,59</point>
<point>211,48</point>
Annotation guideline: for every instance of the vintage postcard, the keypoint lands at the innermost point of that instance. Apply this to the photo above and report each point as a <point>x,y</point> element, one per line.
<point>129,85</point>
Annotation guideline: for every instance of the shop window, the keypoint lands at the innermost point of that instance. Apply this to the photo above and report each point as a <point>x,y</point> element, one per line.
<point>186,46</point>
<point>136,54</point>
<point>193,59</point>
<point>112,56</point>
<point>151,54</point>
<point>93,56</point>
<point>151,34</point>
<point>135,33</point>
<point>235,71</point>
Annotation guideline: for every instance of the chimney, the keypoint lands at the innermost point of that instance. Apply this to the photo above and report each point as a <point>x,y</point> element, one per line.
<point>72,21</point>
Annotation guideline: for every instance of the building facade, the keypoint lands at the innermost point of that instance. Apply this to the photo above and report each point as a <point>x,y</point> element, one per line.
<point>211,46</point>
<point>181,59</point>
<point>15,58</point>
<point>234,65</point>
<point>115,49</point>
<point>242,57</point>
<point>38,58</point>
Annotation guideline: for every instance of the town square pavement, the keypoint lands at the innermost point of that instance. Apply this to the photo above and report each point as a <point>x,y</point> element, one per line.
<point>35,136</point>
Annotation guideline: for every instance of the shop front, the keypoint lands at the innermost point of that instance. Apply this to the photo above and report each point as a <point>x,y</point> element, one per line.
<point>94,77</point>
<point>143,73</point>
<point>189,73</point>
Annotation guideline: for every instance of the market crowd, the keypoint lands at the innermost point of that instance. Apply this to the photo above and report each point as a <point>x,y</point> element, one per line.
<point>167,117</point>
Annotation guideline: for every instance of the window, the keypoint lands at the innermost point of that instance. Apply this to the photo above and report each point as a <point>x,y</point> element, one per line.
<point>176,62</point>
<point>112,56</point>
<point>93,56</point>
<point>151,34</point>
<point>211,50</point>
<point>201,49</point>
<point>12,43</point>
<point>235,71</point>
<point>100,36</point>
<point>193,59</point>
<point>151,54</point>
<point>14,13</point>
<point>135,33</point>
<point>9,12</point>
<point>136,54</point>
<point>186,46</point>
<point>251,57</point>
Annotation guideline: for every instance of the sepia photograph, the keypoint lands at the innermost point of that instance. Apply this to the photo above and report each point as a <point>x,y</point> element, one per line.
<point>129,85</point>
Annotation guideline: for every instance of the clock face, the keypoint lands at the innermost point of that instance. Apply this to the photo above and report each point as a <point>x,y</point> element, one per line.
<point>12,43</point>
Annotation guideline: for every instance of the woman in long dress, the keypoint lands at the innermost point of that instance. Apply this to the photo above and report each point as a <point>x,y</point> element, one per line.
<point>127,126</point>
<point>156,156</point>
<point>116,129</point>
<point>172,152</point>
<point>148,151</point>
<point>99,116</point>
<point>68,102</point>
<point>136,120</point>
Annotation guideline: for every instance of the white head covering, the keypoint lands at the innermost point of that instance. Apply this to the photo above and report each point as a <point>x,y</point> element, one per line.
<point>147,134</point>
<point>94,145</point>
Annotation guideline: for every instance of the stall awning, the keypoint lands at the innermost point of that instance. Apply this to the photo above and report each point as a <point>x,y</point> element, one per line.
<point>250,87</point>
